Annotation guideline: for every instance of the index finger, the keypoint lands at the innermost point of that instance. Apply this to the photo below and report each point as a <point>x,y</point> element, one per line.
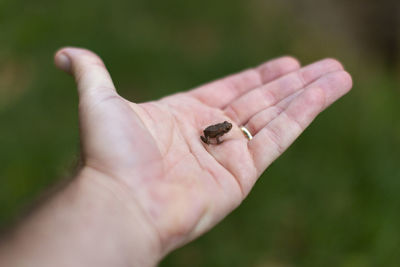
<point>222,92</point>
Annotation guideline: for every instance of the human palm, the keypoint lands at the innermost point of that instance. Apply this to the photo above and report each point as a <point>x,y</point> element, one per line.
<point>182,185</point>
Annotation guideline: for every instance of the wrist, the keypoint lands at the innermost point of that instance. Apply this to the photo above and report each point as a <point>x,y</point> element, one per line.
<point>130,234</point>
<point>91,222</point>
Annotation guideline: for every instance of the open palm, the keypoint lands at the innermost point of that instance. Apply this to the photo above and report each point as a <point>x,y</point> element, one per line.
<point>154,150</point>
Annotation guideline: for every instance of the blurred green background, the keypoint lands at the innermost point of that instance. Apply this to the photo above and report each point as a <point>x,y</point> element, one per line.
<point>333,199</point>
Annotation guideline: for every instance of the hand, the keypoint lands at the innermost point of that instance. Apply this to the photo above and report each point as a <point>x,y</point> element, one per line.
<point>153,151</point>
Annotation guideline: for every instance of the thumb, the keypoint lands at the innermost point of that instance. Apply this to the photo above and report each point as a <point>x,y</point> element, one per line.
<point>93,80</point>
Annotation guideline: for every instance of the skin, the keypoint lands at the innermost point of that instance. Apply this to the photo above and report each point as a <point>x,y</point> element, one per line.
<point>148,184</point>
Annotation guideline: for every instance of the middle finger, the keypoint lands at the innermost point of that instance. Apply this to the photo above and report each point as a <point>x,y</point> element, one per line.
<point>242,109</point>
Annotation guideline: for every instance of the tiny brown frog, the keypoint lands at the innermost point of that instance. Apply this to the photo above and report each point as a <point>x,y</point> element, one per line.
<point>216,131</point>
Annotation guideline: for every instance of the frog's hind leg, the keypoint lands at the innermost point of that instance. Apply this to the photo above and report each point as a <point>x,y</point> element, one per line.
<point>218,140</point>
<point>205,139</point>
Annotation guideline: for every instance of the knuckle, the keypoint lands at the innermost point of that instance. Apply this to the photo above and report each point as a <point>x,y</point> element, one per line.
<point>276,140</point>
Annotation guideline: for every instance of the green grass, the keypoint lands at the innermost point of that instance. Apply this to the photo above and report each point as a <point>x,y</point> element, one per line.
<point>331,200</point>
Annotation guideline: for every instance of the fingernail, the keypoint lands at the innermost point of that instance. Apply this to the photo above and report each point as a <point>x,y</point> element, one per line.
<point>63,62</point>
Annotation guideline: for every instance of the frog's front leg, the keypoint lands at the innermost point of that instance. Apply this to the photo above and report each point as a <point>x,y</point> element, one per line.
<point>218,141</point>
<point>205,139</point>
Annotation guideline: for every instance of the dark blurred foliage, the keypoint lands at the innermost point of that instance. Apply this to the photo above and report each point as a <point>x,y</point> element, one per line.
<point>333,199</point>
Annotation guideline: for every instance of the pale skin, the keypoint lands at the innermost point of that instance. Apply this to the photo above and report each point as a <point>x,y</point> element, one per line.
<point>148,184</point>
